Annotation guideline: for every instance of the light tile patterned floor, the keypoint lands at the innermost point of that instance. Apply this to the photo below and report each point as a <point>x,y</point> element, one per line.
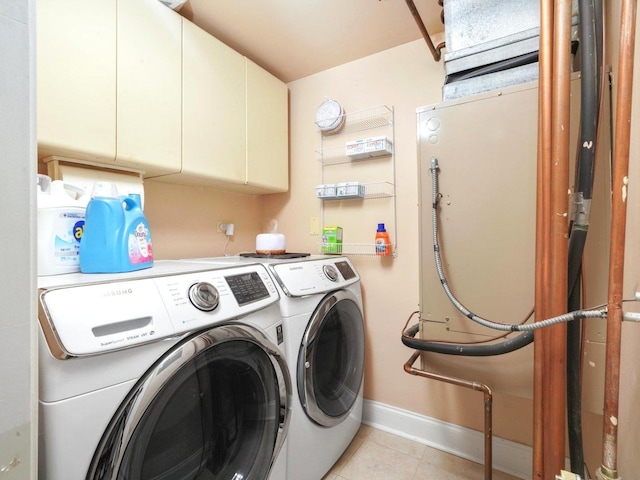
<point>377,455</point>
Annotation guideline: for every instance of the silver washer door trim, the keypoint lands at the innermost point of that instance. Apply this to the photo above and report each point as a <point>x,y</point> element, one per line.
<point>113,445</point>
<point>305,375</point>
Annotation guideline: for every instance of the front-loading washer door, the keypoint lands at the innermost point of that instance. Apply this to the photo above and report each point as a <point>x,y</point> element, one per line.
<point>331,359</point>
<point>214,407</point>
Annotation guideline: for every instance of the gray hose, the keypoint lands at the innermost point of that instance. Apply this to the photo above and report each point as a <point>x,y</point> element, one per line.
<point>567,317</point>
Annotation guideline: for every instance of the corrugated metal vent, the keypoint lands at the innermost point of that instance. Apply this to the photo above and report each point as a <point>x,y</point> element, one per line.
<point>491,45</point>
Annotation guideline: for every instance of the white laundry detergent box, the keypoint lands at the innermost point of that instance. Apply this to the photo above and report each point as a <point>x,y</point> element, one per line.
<point>347,190</point>
<point>377,146</point>
<point>369,147</point>
<point>326,191</point>
<point>355,149</point>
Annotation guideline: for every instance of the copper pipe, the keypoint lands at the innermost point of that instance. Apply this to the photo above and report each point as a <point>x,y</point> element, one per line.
<point>477,386</point>
<point>609,468</point>
<point>551,236</point>
<point>555,398</point>
<point>542,277</point>
<point>416,15</point>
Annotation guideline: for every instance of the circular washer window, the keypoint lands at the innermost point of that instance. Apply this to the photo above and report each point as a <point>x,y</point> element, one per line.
<point>214,406</point>
<point>331,359</point>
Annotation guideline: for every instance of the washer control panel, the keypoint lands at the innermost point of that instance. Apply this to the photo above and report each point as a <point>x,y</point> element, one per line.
<point>90,318</point>
<point>247,287</point>
<point>308,277</point>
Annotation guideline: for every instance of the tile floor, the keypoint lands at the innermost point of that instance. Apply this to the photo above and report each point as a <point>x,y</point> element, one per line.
<point>377,455</point>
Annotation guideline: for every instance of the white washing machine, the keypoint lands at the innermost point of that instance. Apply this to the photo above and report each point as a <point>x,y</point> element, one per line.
<point>173,372</point>
<point>323,321</point>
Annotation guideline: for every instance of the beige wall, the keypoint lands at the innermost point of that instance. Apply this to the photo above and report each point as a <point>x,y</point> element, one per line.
<point>405,77</point>
<point>184,219</point>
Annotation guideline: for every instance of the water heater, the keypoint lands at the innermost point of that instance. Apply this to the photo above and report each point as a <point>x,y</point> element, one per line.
<point>486,146</point>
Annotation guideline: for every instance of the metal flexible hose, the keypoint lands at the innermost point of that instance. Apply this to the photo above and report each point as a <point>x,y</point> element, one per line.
<point>567,317</point>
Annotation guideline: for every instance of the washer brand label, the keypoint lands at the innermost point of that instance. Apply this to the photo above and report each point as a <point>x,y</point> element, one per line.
<point>118,292</point>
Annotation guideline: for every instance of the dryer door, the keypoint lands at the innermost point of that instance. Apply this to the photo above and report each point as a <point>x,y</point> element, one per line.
<point>215,406</point>
<point>331,359</point>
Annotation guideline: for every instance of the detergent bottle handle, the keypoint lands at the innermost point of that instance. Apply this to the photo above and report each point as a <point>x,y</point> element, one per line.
<point>77,190</point>
<point>132,201</point>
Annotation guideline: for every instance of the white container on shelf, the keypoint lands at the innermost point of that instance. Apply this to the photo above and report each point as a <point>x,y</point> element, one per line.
<point>326,191</point>
<point>369,147</point>
<point>350,190</point>
<point>355,149</point>
<point>61,211</point>
<point>378,146</point>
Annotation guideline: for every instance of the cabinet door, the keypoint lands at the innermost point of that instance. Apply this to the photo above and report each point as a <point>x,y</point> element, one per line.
<point>76,65</point>
<point>149,80</point>
<point>267,131</point>
<point>213,110</point>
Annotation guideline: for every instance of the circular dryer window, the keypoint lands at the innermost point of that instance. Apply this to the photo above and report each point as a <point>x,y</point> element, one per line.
<point>213,407</point>
<point>331,359</point>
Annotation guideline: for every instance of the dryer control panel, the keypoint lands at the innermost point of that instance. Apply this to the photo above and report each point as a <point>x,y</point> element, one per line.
<point>89,318</point>
<point>309,277</point>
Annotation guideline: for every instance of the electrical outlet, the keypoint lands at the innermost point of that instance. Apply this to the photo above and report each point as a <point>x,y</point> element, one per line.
<point>226,228</point>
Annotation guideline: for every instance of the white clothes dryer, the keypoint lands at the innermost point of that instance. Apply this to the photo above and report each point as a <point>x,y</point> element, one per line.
<point>173,372</point>
<point>323,322</point>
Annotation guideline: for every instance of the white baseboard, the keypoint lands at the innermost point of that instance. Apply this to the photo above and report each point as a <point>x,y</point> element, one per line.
<point>509,457</point>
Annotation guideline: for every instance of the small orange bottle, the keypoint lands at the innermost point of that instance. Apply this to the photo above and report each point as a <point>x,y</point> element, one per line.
<point>383,245</point>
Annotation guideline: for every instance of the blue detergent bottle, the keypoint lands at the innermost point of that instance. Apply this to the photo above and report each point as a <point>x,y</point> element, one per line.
<point>116,234</point>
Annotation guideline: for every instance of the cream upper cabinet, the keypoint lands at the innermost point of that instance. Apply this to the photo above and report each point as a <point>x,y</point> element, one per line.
<point>213,111</point>
<point>149,87</point>
<point>131,83</point>
<point>76,77</point>
<point>267,131</point>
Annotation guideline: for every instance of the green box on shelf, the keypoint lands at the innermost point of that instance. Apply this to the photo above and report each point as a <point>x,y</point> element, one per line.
<point>332,240</point>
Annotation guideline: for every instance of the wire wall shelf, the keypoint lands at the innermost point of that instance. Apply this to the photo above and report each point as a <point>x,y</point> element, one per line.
<point>380,116</point>
<point>371,191</point>
<point>338,155</point>
<point>357,163</point>
<point>354,249</point>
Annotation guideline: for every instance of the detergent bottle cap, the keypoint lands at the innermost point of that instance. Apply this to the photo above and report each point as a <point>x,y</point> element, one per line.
<point>381,227</point>
<point>104,190</point>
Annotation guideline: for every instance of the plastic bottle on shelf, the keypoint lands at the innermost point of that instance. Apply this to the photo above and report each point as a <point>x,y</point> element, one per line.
<point>116,233</point>
<point>61,211</point>
<point>383,245</point>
